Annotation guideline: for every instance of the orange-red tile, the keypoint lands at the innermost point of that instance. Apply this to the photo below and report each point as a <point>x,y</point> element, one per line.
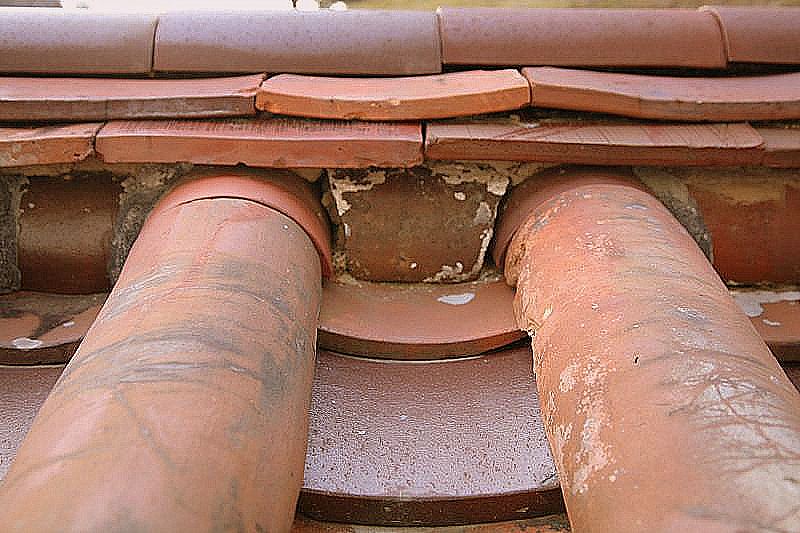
<point>262,142</point>
<point>76,99</point>
<point>596,143</point>
<point>769,97</point>
<point>46,145</point>
<point>760,34</point>
<point>408,98</point>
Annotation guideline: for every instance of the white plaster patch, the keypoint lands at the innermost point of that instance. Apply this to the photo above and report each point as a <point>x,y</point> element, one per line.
<point>341,185</point>
<point>770,322</point>
<point>483,216</point>
<point>24,343</point>
<point>68,324</point>
<point>750,301</point>
<point>456,299</point>
<point>458,195</point>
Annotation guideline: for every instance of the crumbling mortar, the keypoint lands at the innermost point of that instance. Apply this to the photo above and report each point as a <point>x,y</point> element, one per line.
<point>11,191</point>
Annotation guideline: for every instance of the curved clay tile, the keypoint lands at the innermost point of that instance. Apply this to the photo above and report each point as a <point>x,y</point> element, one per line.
<point>760,34</point>
<point>410,98</point>
<point>770,97</point>
<point>581,37</point>
<point>76,99</point>
<point>417,321</point>
<point>59,41</point>
<point>321,42</point>
<point>409,443</point>
<point>266,142</point>
<point>596,144</point>
<point>46,145</point>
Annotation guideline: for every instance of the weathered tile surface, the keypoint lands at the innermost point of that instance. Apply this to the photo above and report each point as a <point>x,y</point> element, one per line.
<point>322,42</point>
<point>46,145</point>
<point>769,97</point>
<point>66,41</point>
<point>262,142</point>
<point>76,99</point>
<point>422,224</point>
<point>596,143</point>
<point>581,37</point>
<point>408,98</point>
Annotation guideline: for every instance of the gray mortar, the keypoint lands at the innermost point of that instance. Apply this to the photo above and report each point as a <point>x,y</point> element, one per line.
<point>673,193</point>
<point>11,190</point>
<point>142,188</point>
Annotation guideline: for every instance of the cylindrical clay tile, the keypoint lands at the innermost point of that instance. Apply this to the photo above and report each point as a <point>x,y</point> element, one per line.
<point>664,409</point>
<point>186,406</point>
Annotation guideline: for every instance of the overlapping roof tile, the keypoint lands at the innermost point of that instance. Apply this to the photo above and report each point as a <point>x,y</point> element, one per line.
<point>408,98</point>
<point>21,146</point>
<point>760,34</point>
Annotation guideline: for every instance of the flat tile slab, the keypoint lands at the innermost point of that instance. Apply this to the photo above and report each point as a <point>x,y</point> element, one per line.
<point>46,145</point>
<point>417,321</point>
<point>776,316</point>
<point>769,97</point>
<point>760,34</point>
<point>581,37</point>
<point>407,98</point>
<point>427,443</point>
<point>596,143</point>
<point>77,99</point>
<point>781,147</point>
<point>262,142</point>
<point>75,41</point>
<point>44,328</point>
<point>359,42</point>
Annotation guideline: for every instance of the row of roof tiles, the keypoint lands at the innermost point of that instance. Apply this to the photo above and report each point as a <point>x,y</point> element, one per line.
<point>55,41</point>
<point>456,94</point>
<point>291,143</point>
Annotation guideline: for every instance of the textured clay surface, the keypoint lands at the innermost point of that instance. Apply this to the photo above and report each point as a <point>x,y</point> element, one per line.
<point>430,224</point>
<point>46,145</point>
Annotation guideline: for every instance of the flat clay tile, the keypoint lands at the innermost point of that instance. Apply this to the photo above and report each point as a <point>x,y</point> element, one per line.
<point>769,97</point>
<point>262,142</point>
<point>409,443</point>
<point>598,144</point>
<point>46,145</point>
<point>781,147</point>
<point>321,42</point>
<point>409,98</point>
<point>61,41</point>
<point>776,317</point>
<point>760,34</point>
<point>417,321</point>
<point>581,37</point>
<point>77,99</point>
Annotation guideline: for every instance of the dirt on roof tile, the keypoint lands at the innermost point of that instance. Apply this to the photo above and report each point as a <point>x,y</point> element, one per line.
<point>262,142</point>
<point>77,99</point>
<point>597,144</point>
<point>581,37</point>
<point>47,144</point>
<point>768,97</point>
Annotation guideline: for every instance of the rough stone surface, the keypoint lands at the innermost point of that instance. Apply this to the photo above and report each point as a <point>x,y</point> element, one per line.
<point>10,193</point>
<point>425,224</point>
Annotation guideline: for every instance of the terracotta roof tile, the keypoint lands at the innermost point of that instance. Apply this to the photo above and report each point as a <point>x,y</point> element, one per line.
<point>776,317</point>
<point>263,142</point>
<point>58,41</point>
<point>598,144</point>
<point>409,98</point>
<point>760,34</point>
<point>75,99</point>
<point>322,42</point>
<point>398,444</point>
<point>428,320</point>
<point>46,145</point>
<point>581,37</point>
<point>770,97</point>
<point>781,147</point>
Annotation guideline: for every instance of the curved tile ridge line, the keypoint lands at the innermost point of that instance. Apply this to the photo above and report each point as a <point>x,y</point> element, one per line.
<point>407,98</point>
<point>769,97</point>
